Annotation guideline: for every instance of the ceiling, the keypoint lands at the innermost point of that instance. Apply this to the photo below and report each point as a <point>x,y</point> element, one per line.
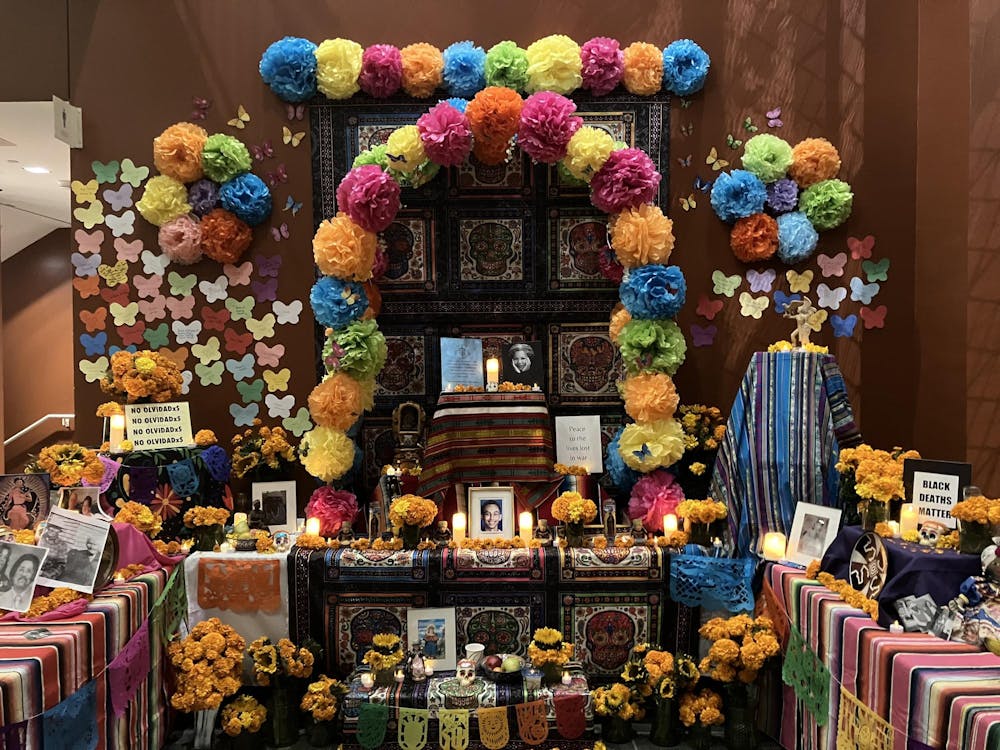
<point>31,205</point>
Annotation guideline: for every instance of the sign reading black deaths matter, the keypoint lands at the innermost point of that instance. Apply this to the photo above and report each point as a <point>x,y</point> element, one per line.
<point>158,426</point>
<point>935,486</point>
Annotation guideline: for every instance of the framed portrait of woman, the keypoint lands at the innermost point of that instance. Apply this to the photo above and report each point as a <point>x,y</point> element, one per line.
<point>432,630</point>
<point>491,512</point>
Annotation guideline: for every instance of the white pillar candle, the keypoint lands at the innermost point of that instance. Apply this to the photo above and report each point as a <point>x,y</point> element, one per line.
<point>312,526</point>
<point>774,546</point>
<point>492,373</point>
<point>669,523</point>
<point>117,432</point>
<point>458,527</point>
<point>525,524</point>
<point>894,525</point>
<point>567,678</point>
<point>908,516</point>
<point>428,667</point>
<point>367,680</point>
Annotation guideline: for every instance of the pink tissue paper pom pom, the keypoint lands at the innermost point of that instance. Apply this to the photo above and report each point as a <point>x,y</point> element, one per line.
<point>603,65</point>
<point>180,240</point>
<point>446,135</point>
<point>333,508</point>
<point>654,496</point>
<point>381,264</point>
<point>547,124</point>
<point>627,180</point>
<point>381,71</point>
<point>369,196</point>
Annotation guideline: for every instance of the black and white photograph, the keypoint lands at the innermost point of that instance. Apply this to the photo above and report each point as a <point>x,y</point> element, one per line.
<point>491,512</point>
<point>24,499</point>
<point>277,500</point>
<point>82,500</point>
<point>19,567</point>
<point>76,544</point>
<point>522,363</point>
<point>813,530</point>
<point>916,613</point>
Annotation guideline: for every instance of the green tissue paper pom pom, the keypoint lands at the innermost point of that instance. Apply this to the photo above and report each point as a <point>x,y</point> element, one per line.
<point>421,175</point>
<point>652,346</point>
<point>827,204</point>
<point>507,65</point>
<point>374,155</point>
<point>567,178</point>
<point>767,156</point>
<point>224,157</point>
<point>358,349</point>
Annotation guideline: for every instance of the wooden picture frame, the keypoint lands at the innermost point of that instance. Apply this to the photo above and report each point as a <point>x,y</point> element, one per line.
<point>432,630</point>
<point>486,521</point>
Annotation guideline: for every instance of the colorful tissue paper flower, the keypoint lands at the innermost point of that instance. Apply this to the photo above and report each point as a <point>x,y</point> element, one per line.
<point>554,65</point>
<point>547,124</point>
<point>619,317</point>
<point>336,402</point>
<point>374,155</point>
<point>177,151</point>
<point>336,303</point>
<point>650,396</point>
<point>507,66</point>
<point>358,349</point>
<point>654,496</point>
<point>370,197</point>
<point>421,174</point>
<point>652,345</point>
<point>827,204</point>
<point>611,268</point>
<point>494,115</point>
<point>602,65</point>
<point>783,195</point>
<point>814,160</point>
<point>344,249</point>
<point>738,194</point>
<point>381,264</point>
<point>628,178</point>
<point>203,195</point>
<point>326,454</point>
<point>224,237</point>
<point>797,237</point>
<point>641,235</point>
<point>224,157</point>
<point>754,238</point>
<point>288,67</point>
<point>643,73</point>
<point>767,156</point>
<point>622,476</point>
<point>457,102</point>
<point>338,65</point>
<point>587,151</point>
<point>248,197</point>
<point>464,70</point>
<point>422,67</point>
<point>685,67</point>
<point>649,446</point>
<point>333,508</point>
<point>405,149</point>
<point>381,71</point>
<point>180,240</point>
<point>163,200</point>
<point>446,135</point>
<point>653,291</point>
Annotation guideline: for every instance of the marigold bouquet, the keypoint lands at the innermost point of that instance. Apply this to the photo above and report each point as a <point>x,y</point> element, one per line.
<point>56,598</point>
<point>140,516</point>
<point>704,427</point>
<point>202,515</point>
<point>702,511</point>
<point>412,510</point>
<point>209,662</point>
<point>386,652</point>
<point>110,409</point>
<point>740,646</point>
<point>572,507</point>
<point>322,698</point>
<point>704,707</point>
<point>548,647</point>
<point>70,464</point>
<point>573,470</point>
<point>274,662</point>
<point>618,700</point>
<point>142,376</point>
<point>978,510</point>
<point>667,675</point>
<point>261,447</point>
<point>875,474</point>
<point>243,714</point>
<point>849,594</point>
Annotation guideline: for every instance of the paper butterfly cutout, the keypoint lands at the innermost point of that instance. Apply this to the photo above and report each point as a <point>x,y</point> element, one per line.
<point>155,308</point>
<point>237,343</point>
<point>874,318</point>
<point>186,377</point>
<point>89,242</point>
<point>148,286</point>
<point>843,327</point>
<point>127,250</point>
<point>118,294</point>
<point>299,424</point>
<point>292,205</point>
<point>707,308</point>
<point>268,356</point>
<point>96,320</point>
<point>240,121</point>
<point>280,232</point>
<point>177,356</point>
<point>120,198</point>
<point>687,129</point>
<point>86,285</point>
<point>861,248</point>
<point>131,348</point>
<point>214,321</point>
<point>862,292</point>
<point>154,263</point>
<point>279,407</point>
<point>266,290</point>
<point>158,336</point>
<point>181,308</point>
<point>114,275</point>
<point>132,334</point>
<point>181,285</point>
<point>876,271</point>
<point>186,333</point>
<point>799,282</point>
<point>93,345</point>
<point>277,381</point>
<point>240,309</point>
<point>288,137</point>
<point>295,111</point>
<point>832,266</point>
<point>238,275</point>
<point>214,291</point>
<point>268,265</point>
<point>263,328</point>
<point>702,185</point>
<point>132,174</point>
<point>90,216</point>
<point>94,371</point>
<point>831,298</point>
<point>733,142</point>
<point>105,172</point>
<point>201,106</point>
<point>688,203</point>
<point>748,125</point>
<point>210,374</point>
<point>685,103</point>
<point>241,368</point>
<point>263,151</point>
<point>817,319</point>
<point>244,416</point>
<point>84,192</point>
<point>121,225</point>
<point>774,118</point>
<point>703,336</point>
<point>753,307</point>
<point>782,301</point>
<point>251,391</point>
<point>287,313</point>
<point>725,285</point>
<point>278,175</point>
<point>207,352</point>
<point>714,161</point>
<point>761,281</point>
<point>124,315</point>
<point>684,161</point>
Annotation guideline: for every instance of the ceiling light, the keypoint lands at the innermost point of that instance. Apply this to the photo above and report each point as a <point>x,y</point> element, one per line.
<point>37,170</point>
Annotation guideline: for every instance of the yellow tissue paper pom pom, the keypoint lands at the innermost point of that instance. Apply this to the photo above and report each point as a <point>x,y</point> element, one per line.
<point>650,397</point>
<point>648,446</point>
<point>643,68</point>
<point>587,151</point>
<point>405,149</point>
<point>163,200</point>
<point>343,249</point>
<point>554,65</point>
<point>338,65</point>
<point>642,235</point>
<point>326,453</point>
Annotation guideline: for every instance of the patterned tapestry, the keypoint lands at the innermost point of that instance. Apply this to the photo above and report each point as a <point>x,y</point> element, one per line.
<point>503,253</point>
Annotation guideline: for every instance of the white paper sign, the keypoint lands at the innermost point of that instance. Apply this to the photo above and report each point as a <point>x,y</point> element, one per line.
<point>578,442</point>
<point>934,495</point>
<point>159,426</point>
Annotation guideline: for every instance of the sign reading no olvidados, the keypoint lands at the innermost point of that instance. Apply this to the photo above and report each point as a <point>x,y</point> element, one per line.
<point>158,426</point>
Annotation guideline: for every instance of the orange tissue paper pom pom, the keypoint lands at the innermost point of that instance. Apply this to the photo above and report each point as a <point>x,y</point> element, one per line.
<point>374,300</point>
<point>494,115</point>
<point>224,237</point>
<point>343,249</point>
<point>642,235</point>
<point>422,67</point>
<point>619,317</point>
<point>754,238</point>
<point>814,160</point>
<point>650,396</point>
<point>643,68</point>
<point>336,402</point>
<point>177,151</point>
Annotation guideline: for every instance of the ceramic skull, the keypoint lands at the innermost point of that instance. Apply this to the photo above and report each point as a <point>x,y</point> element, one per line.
<point>465,672</point>
<point>930,532</point>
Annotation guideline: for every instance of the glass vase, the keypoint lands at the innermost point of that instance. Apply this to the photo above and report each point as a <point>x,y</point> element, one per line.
<point>740,731</point>
<point>551,673</point>
<point>873,512</point>
<point>574,534</point>
<point>323,734</point>
<point>284,732</point>
<point>617,730</point>
<point>849,500</point>
<point>206,537</point>
<point>663,731</point>
<point>204,728</point>
<point>410,534</point>
<point>698,738</point>
<point>974,537</point>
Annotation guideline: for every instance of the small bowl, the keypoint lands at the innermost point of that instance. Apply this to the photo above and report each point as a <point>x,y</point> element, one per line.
<point>506,678</point>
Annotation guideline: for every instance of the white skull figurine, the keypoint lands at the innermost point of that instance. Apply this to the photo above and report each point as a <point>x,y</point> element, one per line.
<point>930,531</point>
<point>466,672</point>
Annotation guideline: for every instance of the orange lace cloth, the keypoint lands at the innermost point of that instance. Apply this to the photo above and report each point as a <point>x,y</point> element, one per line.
<point>241,586</point>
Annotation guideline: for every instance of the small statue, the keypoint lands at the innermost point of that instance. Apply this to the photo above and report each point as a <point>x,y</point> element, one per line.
<point>418,672</point>
<point>638,531</point>
<point>346,533</point>
<point>442,535</point>
<point>543,532</point>
<point>980,597</point>
<point>802,312</point>
<point>257,517</point>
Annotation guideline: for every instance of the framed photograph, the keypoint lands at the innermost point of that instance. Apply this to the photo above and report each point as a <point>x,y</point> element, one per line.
<point>24,499</point>
<point>277,500</point>
<point>19,568</point>
<point>83,500</point>
<point>813,530</point>
<point>76,546</point>
<point>432,630</point>
<point>491,512</point>
<point>522,363</point>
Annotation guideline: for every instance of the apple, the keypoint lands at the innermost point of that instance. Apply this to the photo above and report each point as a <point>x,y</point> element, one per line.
<point>511,664</point>
<point>491,662</point>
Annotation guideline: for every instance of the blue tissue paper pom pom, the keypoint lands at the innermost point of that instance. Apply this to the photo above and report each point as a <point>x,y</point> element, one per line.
<point>685,67</point>
<point>336,303</point>
<point>797,237</point>
<point>653,292</point>
<point>288,66</point>
<point>622,476</point>
<point>738,194</point>
<point>248,197</point>
<point>458,103</point>
<point>464,69</point>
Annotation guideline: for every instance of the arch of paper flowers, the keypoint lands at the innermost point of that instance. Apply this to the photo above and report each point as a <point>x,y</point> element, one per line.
<point>623,183</point>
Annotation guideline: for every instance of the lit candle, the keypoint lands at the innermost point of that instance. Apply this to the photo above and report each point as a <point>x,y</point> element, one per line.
<point>894,525</point>
<point>567,679</point>
<point>669,523</point>
<point>399,675</point>
<point>367,680</point>
<point>312,526</point>
<point>117,433</point>
<point>525,523</point>
<point>774,545</point>
<point>428,667</point>
<point>908,517</point>
<point>896,627</point>
<point>492,373</point>
<point>458,526</point>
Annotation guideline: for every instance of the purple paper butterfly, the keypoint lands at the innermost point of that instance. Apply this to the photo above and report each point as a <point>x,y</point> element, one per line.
<point>265,291</point>
<point>761,281</point>
<point>703,336</point>
<point>268,266</point>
